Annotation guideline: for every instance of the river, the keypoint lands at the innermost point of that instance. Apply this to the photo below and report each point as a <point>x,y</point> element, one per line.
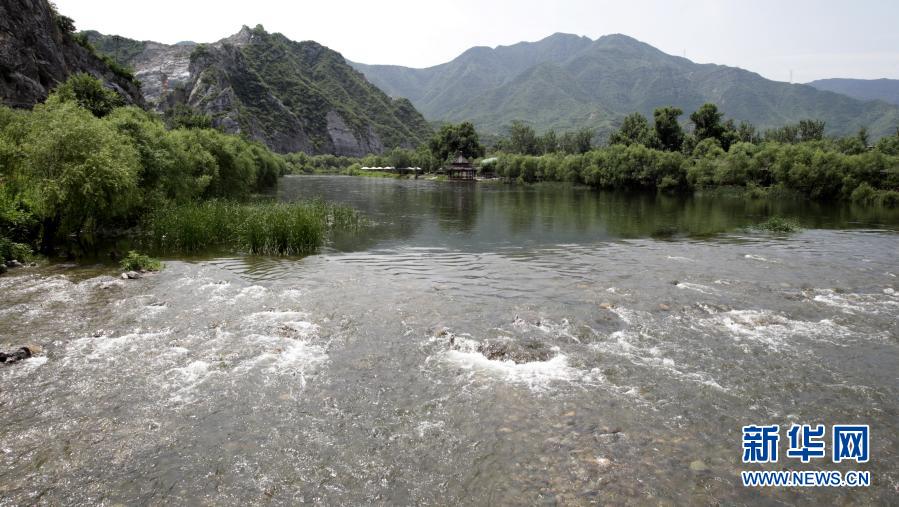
<point>658,327</point>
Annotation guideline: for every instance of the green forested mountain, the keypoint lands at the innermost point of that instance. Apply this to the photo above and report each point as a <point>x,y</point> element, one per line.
<point>886,90</point>
<point>292,96</point>
<point>565,81</point>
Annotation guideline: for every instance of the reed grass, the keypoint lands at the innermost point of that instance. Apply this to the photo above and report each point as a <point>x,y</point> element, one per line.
<point>265,228</point>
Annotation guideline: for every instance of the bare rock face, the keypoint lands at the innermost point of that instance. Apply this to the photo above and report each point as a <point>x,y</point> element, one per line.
<point>347,142</point>
<point>162,69</point>
<point>37,52</point>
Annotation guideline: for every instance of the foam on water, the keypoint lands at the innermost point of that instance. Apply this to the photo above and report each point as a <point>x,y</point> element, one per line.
<point>759,258</point>
<point>186,379</point>
<point>561,329</point>
<point>633,346</point>
<point>697,287</point>
<point>773,330</point>
<point>25,367</point>
<point>429,427</point>
<point>851,303</point>
<point>536,375</point>
<point>111,348</point>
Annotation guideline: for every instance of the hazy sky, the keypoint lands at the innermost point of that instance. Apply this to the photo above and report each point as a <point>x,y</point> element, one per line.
<point>814,39</point>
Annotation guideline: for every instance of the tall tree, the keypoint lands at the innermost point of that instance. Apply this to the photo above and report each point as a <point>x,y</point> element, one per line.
<point>863,136</point>
<point>548,142</point>
<point>707,122</point>
<point>811,130</point>
<point>452,139</point>
<point>523,139</point>
<point>634,130</point>
<point>747,133</point>
<point>576,142</point>
<point>668,131</point>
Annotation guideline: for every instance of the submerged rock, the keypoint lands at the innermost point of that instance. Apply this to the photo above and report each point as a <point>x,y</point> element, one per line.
<point>14,357</point>
<point>698,466</point>
<point>524,352</point>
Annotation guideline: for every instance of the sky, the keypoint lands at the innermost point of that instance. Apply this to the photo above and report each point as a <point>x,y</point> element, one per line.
<point>804,38</point>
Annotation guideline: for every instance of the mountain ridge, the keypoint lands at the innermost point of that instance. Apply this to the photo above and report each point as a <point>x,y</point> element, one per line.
<point>292,96</point>
<point>883,89</point>
<point>621,75</point>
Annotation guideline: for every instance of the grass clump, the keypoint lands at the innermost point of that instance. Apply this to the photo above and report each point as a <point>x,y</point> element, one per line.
<point>266,228</point>
<point>778,225</point>
<point>135,261</point>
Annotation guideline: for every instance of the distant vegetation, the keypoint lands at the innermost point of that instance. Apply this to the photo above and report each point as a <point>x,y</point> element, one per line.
<point>796,159</point>
<point>716,153</point>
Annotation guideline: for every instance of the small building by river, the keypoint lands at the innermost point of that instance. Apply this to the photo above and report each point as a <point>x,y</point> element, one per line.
<point>461,169</point>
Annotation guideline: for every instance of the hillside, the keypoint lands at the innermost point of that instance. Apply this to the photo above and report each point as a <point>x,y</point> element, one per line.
<point>38,50</point>
<point>292,96</point>
<point>886,90</point>
<point>566,81</point>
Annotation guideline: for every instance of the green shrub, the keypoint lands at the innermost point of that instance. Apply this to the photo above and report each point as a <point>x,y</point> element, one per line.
<point>10,250</point>
<point>889,198</point>
<point>75,172</point>
<point>89,93</point>
<point>864,194</point>
<point>779,225</point>
<point>135,261</point>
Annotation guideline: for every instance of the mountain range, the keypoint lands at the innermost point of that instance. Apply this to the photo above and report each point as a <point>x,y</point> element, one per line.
<point>292,96</point>
<point>886,90</point>
<point>566,81</point>
<point>302,96</point>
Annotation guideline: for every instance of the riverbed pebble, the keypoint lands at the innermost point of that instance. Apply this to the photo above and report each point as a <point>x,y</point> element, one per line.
<point>698,466</point>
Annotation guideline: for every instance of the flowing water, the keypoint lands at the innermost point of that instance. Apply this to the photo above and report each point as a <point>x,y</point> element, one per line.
<point>657,327</point>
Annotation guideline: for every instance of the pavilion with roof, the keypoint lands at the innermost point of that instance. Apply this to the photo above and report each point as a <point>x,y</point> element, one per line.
<point>461,169</point>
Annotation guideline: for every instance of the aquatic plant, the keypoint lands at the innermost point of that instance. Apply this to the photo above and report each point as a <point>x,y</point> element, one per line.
<point>135,261</point>
<point>266,228</point>
<point>779,225</point>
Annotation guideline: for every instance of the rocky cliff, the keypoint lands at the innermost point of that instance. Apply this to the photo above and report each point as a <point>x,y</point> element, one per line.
<point>39,50</point>
<point>292,96</point>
